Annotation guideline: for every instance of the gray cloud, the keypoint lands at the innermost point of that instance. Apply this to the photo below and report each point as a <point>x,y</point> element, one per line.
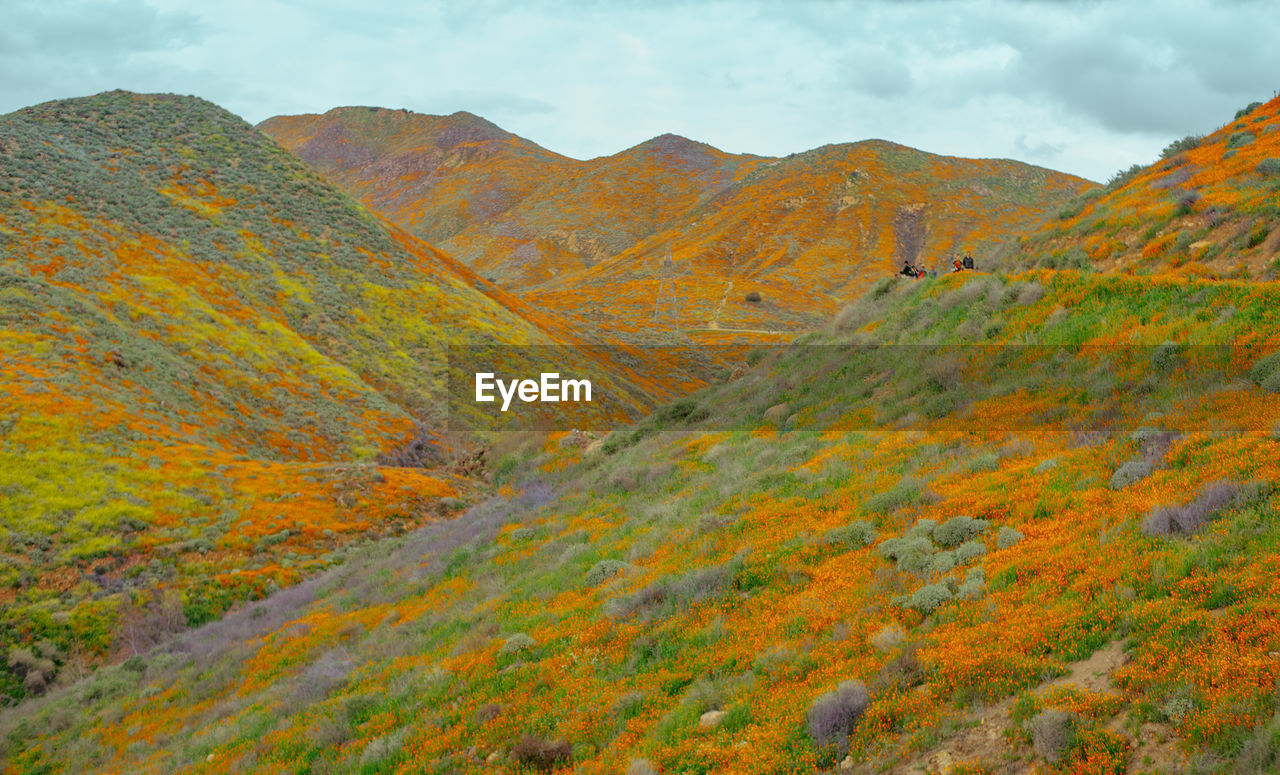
<point>1080,85</point>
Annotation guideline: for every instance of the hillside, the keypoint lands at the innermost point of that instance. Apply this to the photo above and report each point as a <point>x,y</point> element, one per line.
<point>1207,208</point>
<point>1023,520</point>
<point>811,231</point>
<point>690,600</point>
<point>587,238</point>
<point>205,348</point>
<point>512,210</point>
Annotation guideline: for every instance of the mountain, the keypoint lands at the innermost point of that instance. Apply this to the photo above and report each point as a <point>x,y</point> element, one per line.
<point>789,244</point>
<point>983,522</point>
<point>206,346</point>
<point>1207,208</point>
<point>587,238</point>
<point>507,207</point>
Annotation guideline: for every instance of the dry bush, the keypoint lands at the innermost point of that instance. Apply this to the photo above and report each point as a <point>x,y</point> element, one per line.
<point>1164,521</point>
<point>541,755</point>
<point>834,715</point>
<point>1053,733</point>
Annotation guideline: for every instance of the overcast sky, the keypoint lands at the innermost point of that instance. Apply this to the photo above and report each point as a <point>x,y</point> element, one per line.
<point>1085,87</point>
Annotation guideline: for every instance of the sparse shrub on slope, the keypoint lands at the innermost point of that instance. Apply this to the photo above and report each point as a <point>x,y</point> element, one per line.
<point>1130,472</point>
<point>1053,733</point>
<point>959,529</point>
<point>539,755</point>
<point>930,598</point>
<point>517,643</point>
<point>1178,146</point>
<point>975,584</point>
<point>604,570</point>
<point>912,553</point>
<point>969,551</point>
<point>1165,521</point>
<point>908,491</point>
<point>835,715</point>
<point>1007,536</point>
<point>1265,373</point>
<point>855,534</point>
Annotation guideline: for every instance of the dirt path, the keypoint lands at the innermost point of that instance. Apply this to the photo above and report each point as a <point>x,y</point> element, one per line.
<point>714,323</point>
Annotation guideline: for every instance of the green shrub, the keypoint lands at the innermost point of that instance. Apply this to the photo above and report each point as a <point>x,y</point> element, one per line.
<point>969,551</point>
<point>908,491</point>
<point>1264,370</point>
<point>1269,168</point>
<point>517,643</point>
<point>942,562</point>
<point>1122,177</point>
<point>1238,139</point>
<point>975,584</point>
<point>957,530</point>
<point>1246,110</point>
<point>604,570</point>
<point>857,533</point>
<point>1178,146</point>
<point>1257,236</point>
<point>913,553</point>
<point>929,598</point>
<point>1129,473</point>
<point>1007,536</point>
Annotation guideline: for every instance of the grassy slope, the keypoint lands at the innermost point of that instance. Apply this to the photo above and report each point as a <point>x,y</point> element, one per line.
<point>1208,210</point>
<point>667,574</point>
<point>204,346</point>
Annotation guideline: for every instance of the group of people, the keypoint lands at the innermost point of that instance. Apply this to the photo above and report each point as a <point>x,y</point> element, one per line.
<point>959,264</point>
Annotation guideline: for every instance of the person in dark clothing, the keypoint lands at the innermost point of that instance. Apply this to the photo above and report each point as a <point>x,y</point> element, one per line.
<point>907,271</point>
<point>968,261</point>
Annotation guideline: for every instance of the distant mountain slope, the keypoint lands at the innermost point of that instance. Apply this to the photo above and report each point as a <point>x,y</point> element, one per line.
<point>434,175</point>
<point>810,231</point>
<point>587,237</point>
<point>204,347</point>
<point>1209,207</point>
<point>506,206</point>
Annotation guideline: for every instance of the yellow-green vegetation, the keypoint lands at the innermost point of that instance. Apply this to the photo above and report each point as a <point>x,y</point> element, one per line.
<point>204,349</point>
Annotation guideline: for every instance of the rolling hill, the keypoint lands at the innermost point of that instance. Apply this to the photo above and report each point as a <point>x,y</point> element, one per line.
<point>587,238</point>
<point>1207,208</point>
<point>990,522</point>
<point>205,349</point>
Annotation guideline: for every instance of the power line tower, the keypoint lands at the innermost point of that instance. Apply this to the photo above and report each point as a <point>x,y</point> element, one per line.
<point>668,283</point>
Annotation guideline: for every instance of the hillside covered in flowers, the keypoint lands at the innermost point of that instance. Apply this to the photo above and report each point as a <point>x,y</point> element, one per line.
<point>985,522</point>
